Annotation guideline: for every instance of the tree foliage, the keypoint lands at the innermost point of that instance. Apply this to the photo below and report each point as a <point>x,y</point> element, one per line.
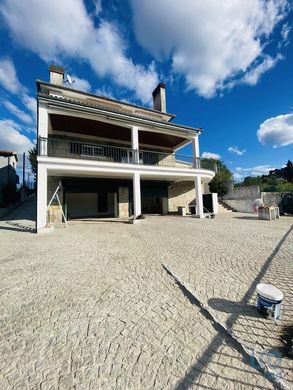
<point>221,180</point>
<point>285,173</point>
<point>278,180</point>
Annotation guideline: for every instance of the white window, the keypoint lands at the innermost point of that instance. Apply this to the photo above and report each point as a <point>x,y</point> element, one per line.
<point>90,150</point>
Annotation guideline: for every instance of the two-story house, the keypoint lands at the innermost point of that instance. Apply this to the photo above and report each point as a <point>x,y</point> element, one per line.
<point>112,158</point>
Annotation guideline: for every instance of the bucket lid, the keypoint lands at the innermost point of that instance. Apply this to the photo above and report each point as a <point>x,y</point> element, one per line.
<point>269,291</point>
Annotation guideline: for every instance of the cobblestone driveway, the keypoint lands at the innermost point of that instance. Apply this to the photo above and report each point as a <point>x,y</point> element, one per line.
<point>91,307</point>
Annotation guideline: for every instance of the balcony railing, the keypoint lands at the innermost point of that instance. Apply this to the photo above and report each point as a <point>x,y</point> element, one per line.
<point>108,153</point>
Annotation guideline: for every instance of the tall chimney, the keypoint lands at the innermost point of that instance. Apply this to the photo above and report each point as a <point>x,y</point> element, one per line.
<point>56,74</point>
<point>159,97</point>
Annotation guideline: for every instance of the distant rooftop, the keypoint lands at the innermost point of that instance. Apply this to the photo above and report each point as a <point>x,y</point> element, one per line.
<point>8,153</point>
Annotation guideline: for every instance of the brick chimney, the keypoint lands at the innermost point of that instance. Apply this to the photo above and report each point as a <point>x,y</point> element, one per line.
<point>159,98</point>
<point>56,74</point>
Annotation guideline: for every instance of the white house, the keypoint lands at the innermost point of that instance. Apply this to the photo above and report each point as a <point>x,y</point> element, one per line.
<point>113,159</point>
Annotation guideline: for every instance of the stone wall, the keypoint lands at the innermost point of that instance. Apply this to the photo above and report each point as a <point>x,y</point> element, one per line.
<point>54,211</point>
<point>123,202</point>
<point>272,198</point>
<point>180,194</point>
<point>242,205</point>
<point>245,192</point>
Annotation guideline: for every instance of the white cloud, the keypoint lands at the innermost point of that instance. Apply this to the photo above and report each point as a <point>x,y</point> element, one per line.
<point>65,30</point>
<point>98,7</point>
<point>79,83</point>
<point>285,34</point>
<point>11,137</point>
<point>105,91</point>
<point>277,131</point>
<point>10,81</point>
<point>17,112</point>
<point>258,170</point>
<point>8,76</point>
<point>211,43</point>
<point>253,74</point>
<point>30,104</point>
<point>236,150</point>
<point>237,177</point>
<point>211,155</point>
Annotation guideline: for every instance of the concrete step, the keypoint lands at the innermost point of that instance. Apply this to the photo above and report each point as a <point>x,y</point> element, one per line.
<point>225,207</point>
<point>223,210</point>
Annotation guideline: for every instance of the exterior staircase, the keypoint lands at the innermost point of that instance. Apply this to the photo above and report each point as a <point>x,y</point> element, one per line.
<point>225,208</point>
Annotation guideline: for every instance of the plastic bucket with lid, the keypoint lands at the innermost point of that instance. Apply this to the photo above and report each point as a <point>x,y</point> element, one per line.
<point>269,300</point>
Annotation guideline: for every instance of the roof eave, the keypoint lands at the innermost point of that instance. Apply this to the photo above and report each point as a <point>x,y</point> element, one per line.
<point>150,122</point>
<point>40,82</point>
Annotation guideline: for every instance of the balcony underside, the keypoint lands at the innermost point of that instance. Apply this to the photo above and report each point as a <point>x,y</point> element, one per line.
<point>89,127</point>
<point>86,168</point>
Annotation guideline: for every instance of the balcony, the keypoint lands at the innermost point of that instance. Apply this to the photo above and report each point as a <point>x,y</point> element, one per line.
<point>98,152</point>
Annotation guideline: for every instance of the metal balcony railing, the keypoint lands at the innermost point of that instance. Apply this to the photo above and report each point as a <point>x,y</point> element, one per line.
<point>108,153</point>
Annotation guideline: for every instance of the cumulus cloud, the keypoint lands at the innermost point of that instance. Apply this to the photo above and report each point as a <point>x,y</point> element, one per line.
<point>211,43</point>
<point>277,131</point>
<point>11,137</point>
<point>236,150</point>
<point>17,112</point>
<point>66,30</point>
<point>215,156</point>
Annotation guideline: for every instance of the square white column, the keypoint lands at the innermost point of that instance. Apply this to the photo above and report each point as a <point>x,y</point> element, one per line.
<point>41,197</point>
<point>135,144</point>
<point>195,151</point>
<point>42,128</point>
<point>199,199</point>
<point>136,195</point>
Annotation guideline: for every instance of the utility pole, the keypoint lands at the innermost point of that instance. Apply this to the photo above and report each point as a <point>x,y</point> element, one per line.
<point>23,170</point>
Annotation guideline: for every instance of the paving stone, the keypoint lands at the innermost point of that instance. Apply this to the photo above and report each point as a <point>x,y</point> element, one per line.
<point>90,307</point>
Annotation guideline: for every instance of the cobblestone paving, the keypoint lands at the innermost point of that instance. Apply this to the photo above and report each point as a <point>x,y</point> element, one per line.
<point>90,307</point>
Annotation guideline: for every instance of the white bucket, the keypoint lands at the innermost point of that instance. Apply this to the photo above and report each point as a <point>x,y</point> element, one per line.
<point>269,300</point>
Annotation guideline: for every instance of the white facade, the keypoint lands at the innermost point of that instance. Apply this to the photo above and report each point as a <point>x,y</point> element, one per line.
<point>90,140</point>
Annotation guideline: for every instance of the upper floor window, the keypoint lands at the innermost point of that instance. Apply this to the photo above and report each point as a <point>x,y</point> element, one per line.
<point>90,150</point>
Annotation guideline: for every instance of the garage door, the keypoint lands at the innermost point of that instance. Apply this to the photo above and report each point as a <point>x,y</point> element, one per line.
<point>82,205</point>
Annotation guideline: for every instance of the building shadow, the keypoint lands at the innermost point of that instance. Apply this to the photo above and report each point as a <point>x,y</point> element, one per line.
<point>248,218</point>
<point>232,307</point>
<point>22,219</point>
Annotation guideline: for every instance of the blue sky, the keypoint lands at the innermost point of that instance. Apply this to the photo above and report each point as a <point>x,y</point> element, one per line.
<point>227,66</point>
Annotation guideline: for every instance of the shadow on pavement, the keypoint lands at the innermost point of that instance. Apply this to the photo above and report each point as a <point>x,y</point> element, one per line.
<point>207,357</point>
<point>22,219</point>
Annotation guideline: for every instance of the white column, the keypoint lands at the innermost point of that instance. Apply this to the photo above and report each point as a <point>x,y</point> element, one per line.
<point>41,197</point>
<point>195,151</point>
<point>136,195</point>
<point>135,144</point>
<point>43,128</point>
<point>198,195</point>
<point>215,203</point>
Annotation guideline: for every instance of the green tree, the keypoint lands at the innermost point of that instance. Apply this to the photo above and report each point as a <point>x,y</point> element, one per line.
<point>32,156</point>
<point>221,180</point>
<point>285,172</point>
<point>288,171</point>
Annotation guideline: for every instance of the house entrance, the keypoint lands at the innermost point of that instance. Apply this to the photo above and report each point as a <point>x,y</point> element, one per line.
<point>151,205</point>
